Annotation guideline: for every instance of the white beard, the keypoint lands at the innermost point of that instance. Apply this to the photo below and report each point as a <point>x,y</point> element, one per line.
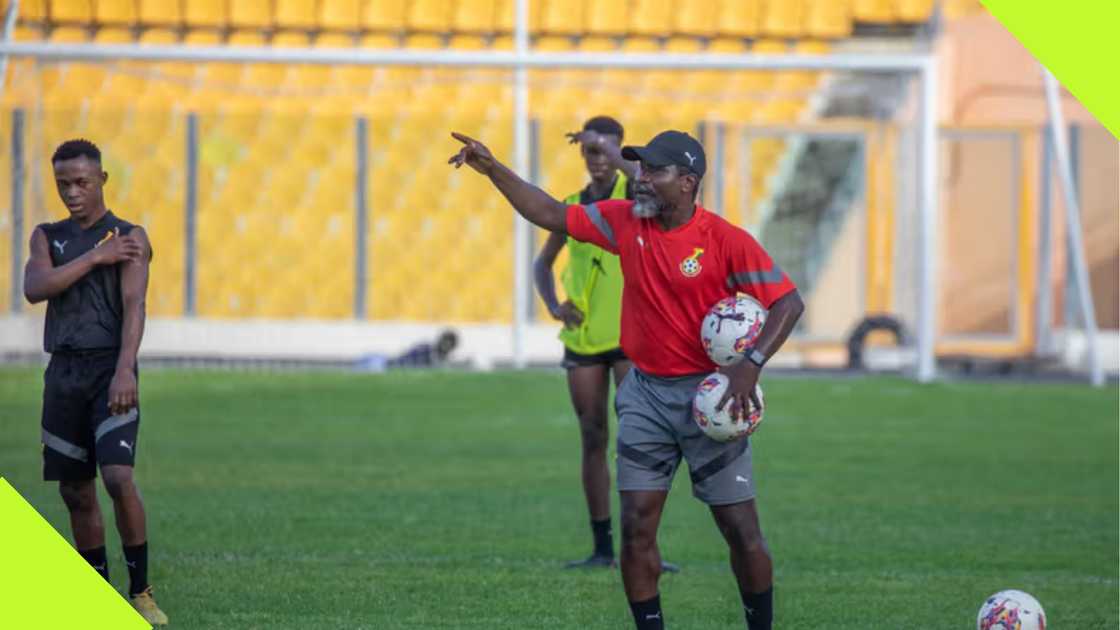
<point>646,208</point>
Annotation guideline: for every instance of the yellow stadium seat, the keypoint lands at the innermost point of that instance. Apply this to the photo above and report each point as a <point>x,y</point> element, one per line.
<point>334,40</point>
<point>383,15</point>
<point>429,15</point>
<point>295,14</point>
<point>781,18</point>
<point>561,16</point>
<point>474,16</point>
<point>606,18</point>
<point>769,47</point>
<point>114,11</point>
<point>27,33</point>
<point>694,18</point>
<point>651,17</point>
<point>641,45</point>
<point>811,47</point>
<point>597,44</point>
<point>290,39</point>
<point>249,14</point>
<point>828,20</point>
<point>914,11</point>
<point>246,38</point>
<point>69,34</point>
<point>684,44</point>
<point>160,36</point>
<point>32,10</point>
<point>374,40</point>
<point>203,37</point>
<point>71,11</point>
<point>342,15</point>
<point>160,12</point>
<point>554,43</point>
<point>424,41</point>
<point>875,11</point>
<point>113,35</point>
<point>466,42</point>
<point>736,18</point>
<point>208,13</point>
<point>727,45</point>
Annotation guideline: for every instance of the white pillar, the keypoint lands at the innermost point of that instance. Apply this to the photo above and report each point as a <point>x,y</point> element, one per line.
<point>521,227</point>
<point>1073,226</point>
<point>928,210</point>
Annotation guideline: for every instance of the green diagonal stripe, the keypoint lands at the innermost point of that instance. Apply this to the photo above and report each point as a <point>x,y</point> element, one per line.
<point>1077,41</point>
<point>45,583</point>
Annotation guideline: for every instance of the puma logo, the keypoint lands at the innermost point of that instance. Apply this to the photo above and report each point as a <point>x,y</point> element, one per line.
<point>127,446</point>
<point>61,247</point>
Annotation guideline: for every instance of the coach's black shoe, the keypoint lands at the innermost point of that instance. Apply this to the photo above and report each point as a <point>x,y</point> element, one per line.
<point>594,561</point>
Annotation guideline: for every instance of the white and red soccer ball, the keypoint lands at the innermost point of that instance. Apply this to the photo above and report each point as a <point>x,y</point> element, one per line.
<point>1011,610</point>
<point>731,327</point>
<point>720,425</point>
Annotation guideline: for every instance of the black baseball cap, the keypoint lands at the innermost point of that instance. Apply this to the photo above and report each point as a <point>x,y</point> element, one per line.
<point>670,147</point>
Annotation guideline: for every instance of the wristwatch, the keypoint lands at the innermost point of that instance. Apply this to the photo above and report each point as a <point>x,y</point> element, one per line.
<point>755,357</point>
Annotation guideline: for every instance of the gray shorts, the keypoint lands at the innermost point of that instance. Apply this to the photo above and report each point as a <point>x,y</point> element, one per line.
<point>655,429</point>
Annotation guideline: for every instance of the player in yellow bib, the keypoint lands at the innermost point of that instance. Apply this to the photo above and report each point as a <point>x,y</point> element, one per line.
<point>591,314</point>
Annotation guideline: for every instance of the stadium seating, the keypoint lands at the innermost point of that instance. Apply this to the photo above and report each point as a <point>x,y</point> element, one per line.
<point>250,14</point>
<point>659,18</point>
<point>276,142</point>
<point>206,13</point>
<point>71,11</point>
<point>342,15</point>
<point>160,12</point>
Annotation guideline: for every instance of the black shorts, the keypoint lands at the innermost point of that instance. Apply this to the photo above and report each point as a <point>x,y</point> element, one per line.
<point>79,431</point>
<point>608,358</point>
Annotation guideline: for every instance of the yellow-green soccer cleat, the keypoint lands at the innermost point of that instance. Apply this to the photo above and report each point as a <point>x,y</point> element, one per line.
<point>146,606</point>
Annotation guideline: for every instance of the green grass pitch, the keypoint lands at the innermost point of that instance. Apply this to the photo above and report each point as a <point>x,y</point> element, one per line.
<point>451,500</point>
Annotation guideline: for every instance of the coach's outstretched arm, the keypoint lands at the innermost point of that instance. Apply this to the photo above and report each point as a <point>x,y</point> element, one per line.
<point>531,202</point>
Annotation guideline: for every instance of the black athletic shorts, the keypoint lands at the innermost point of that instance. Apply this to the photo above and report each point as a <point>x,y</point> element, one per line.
<point>608,358</point>
<point>79,431</point>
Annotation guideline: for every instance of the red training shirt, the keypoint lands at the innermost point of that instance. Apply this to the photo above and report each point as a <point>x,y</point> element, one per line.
<point>671,279</point>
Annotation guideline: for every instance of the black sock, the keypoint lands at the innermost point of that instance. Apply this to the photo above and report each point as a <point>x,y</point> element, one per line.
<point>647,614</point>
<point>759,608</point>
<point>604,543</point>
<point>97,559</point>
<point>136,559</point>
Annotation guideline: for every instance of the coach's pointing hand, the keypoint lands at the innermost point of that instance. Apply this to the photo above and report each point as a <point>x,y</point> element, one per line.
<point>742,377</point>
<point>474,154</point>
